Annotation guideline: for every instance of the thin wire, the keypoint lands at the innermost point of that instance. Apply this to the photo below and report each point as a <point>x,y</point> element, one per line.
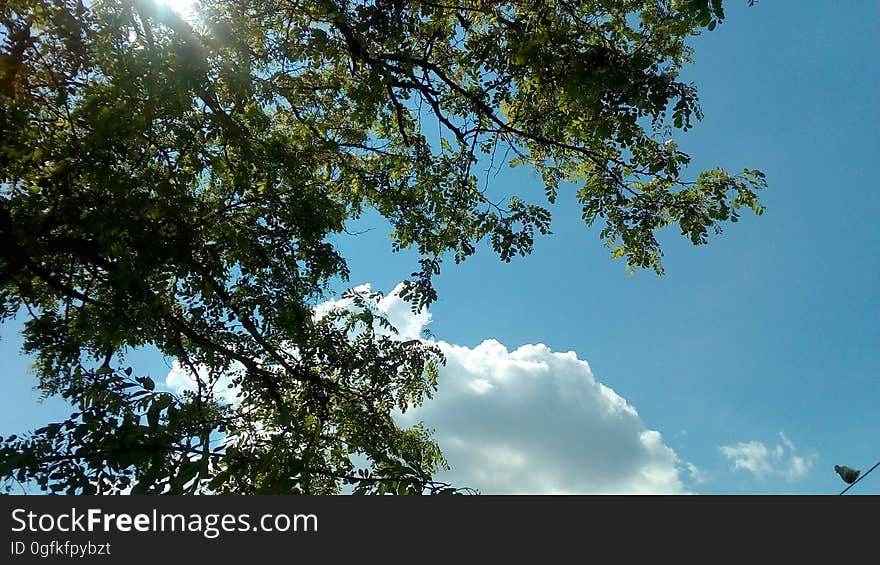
<point>862,477</point>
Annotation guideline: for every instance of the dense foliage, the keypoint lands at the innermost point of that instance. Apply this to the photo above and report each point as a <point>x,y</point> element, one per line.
<point>175,184</point>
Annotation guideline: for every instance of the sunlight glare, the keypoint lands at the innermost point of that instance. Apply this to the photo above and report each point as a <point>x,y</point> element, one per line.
<point>185,8</point>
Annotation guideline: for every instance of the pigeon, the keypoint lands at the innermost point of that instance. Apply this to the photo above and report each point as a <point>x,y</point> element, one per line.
<point>848,474</point>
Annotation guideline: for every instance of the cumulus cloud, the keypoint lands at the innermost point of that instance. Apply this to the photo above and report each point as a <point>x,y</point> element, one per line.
<point>536,421</point>
<point>530,420</point>
<point>781,460</point>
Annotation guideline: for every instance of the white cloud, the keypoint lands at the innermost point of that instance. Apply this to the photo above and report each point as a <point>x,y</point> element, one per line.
<point>180,379</point>
<point>533,420</point>
<point>536,421</point>
<point>781,460</point>
<point>697,476</point>
<point>530,420</point>
<point>397,310</point>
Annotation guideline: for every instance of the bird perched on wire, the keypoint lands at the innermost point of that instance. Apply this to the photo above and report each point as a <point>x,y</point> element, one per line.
<point>848,474</point>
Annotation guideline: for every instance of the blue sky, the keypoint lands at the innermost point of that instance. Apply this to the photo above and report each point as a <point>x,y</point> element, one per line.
<point>767,335</point>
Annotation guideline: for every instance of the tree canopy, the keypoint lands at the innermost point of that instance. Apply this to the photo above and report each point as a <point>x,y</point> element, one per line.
<point>175,184</point>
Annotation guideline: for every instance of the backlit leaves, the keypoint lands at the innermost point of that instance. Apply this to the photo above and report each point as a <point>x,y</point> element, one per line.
<point>178,184</point>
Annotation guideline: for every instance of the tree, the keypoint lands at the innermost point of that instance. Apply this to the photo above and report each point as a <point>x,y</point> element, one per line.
<point>174,184</point>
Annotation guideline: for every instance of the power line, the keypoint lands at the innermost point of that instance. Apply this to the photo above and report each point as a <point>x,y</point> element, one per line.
<point>862,477</point>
